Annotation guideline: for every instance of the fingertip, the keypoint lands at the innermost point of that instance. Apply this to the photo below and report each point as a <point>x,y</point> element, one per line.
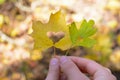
<point>54,61</point>
<point>63,59</point>
<point>53,73</point>
<point>54,65</point>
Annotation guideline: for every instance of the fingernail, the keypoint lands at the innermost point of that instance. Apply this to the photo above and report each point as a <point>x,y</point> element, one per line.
<point>54,61</point>
<point>63,59</point>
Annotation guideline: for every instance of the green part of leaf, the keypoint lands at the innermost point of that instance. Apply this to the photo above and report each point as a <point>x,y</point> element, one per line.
<point>87,29</point>
<point>73,33</point>
<point>87,42</point>
<point>80,36</point>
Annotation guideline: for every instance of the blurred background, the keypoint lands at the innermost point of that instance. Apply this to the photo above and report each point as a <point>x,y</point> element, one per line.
<point>18,60</point>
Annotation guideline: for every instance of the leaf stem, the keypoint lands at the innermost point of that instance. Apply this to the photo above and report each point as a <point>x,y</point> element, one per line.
<point>68,50</point>
<point>54,50</point>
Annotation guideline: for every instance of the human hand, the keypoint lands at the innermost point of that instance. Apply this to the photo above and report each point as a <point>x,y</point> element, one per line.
<point>73,68</point>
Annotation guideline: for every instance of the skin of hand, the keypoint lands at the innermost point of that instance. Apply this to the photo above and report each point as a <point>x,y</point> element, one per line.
<point>74,68</point>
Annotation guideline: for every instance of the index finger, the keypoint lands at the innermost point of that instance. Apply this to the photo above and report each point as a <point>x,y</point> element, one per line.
<point>89,66</point>
<point>93,68</point>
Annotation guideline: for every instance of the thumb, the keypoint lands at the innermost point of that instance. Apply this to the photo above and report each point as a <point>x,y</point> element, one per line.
<point>53,73</point>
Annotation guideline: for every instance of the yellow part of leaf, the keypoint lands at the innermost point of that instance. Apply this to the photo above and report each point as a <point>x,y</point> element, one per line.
<point>1,20</point>
<point>118,39</point>
<point>36,55</point>
<point>56,23</point>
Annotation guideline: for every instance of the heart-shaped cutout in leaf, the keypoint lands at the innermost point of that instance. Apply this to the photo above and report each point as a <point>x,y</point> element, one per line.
<point>55,36</point>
